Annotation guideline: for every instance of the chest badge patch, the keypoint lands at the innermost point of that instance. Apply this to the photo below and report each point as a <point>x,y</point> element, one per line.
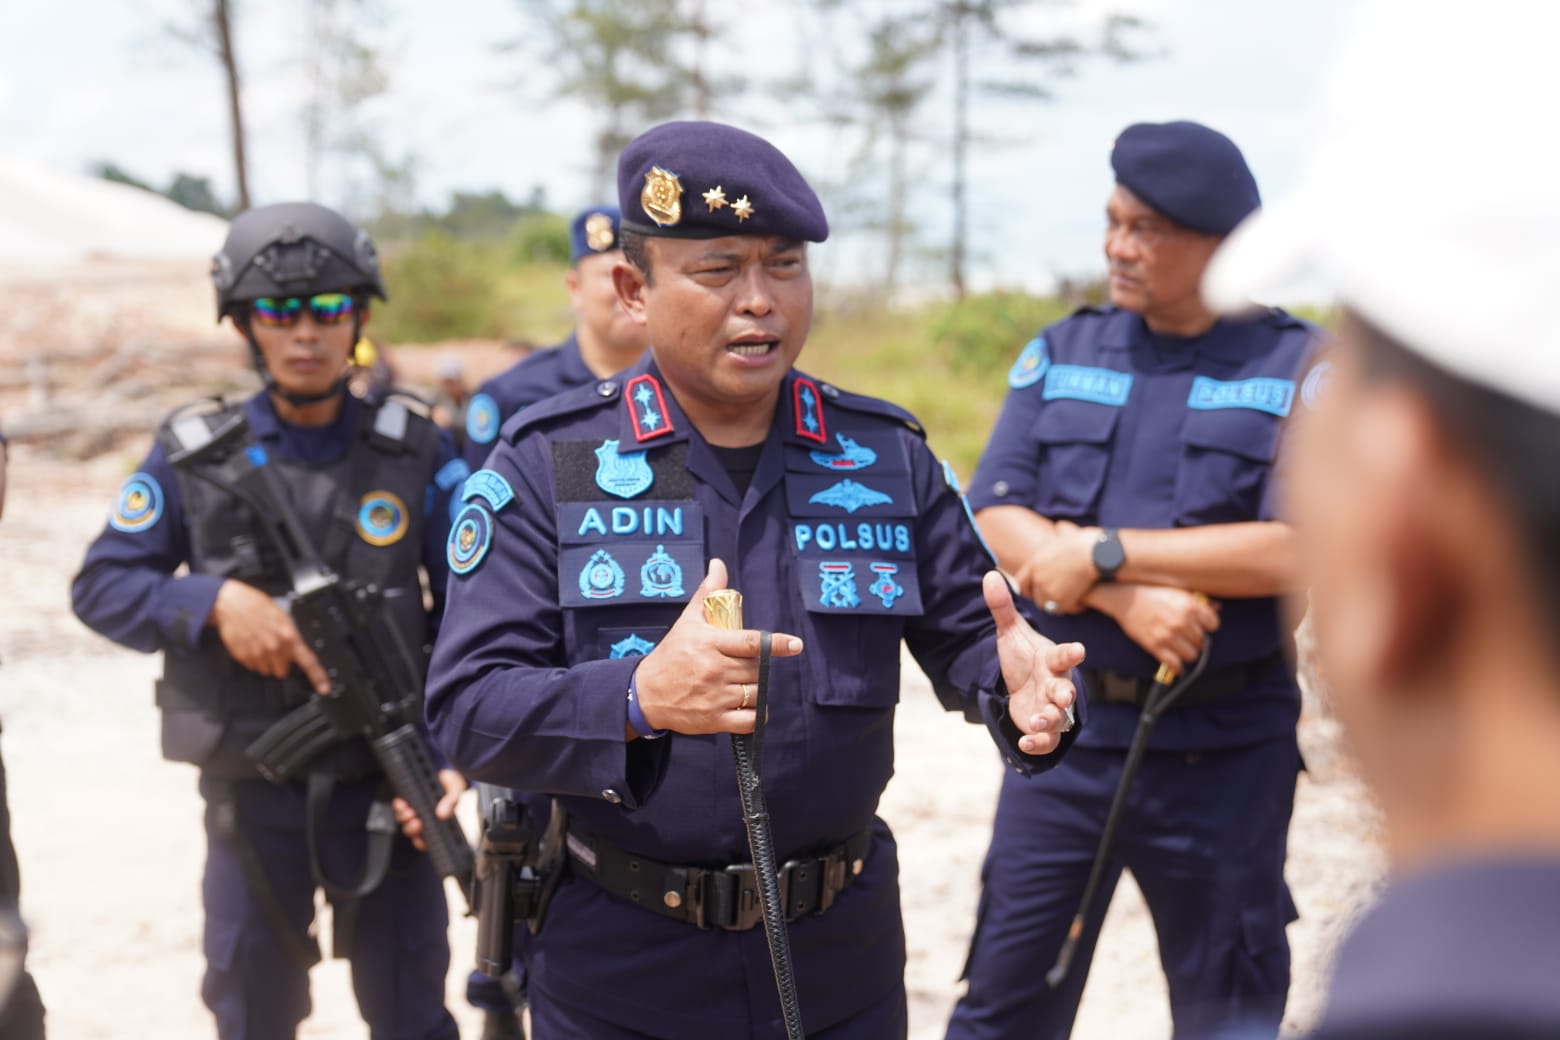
<point>381,518</point>
<point>601,577</point>
<point>850,456</point>
<point>837,585</point>
<point>885,587</point>
<point>661,575</point>
<point>470,536</point>
<point>850,496</point>
<point>630,646</point>
<point>624,474</point>
<point>139,506</point>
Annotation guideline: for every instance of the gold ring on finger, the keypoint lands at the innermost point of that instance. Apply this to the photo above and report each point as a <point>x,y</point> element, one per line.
<point>747,692</point>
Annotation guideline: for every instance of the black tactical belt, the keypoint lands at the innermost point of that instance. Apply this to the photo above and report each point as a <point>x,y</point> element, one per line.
<point>1109,687</point>
<point>713,897</point>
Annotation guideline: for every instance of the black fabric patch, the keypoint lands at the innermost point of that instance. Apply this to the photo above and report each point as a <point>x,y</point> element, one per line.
<point>575,463</point>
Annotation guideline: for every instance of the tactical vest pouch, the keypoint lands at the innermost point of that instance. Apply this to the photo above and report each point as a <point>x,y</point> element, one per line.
<point>189,732</point>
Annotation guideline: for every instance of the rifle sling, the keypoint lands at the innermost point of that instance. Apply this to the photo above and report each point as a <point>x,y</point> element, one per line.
<point>304,954</point>
<point>381,828</point>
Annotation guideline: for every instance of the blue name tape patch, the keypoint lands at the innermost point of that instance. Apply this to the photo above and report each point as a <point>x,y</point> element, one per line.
<point>887,537</point>
<point>1084,383</point>
<point>1274,396</point>
<point>581,523</point>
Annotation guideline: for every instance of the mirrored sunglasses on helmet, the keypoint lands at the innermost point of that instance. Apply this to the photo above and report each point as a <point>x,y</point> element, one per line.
<point>283,313</point>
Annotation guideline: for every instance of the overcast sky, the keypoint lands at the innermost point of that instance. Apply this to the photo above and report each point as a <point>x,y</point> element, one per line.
<point>86,80</point>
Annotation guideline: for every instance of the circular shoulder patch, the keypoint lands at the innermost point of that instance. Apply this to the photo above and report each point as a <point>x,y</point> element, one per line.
<point>482,419</point>
<point>470,536</point>
<point>1030,366</point>
<point>381,518</point>
<point>139,506</point>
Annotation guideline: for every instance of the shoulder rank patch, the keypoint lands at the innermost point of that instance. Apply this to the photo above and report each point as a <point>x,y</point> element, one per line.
<point>851,455</point>
<point>451,474</point>
<point>624,474</point>
<point>490,487</point>
<point>139,506</point>
<point>1030,366</point>
<point>647,407</point>
<point>381,518</point>
<point>809,410</point>
<point>851,496</point>
<point>1315,386</point>
<point>482,419</point>
<point>470,536</point>
<point>1274,396</point>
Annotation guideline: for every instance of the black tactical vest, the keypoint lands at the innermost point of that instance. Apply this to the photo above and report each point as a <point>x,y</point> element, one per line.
<point>364,514</point>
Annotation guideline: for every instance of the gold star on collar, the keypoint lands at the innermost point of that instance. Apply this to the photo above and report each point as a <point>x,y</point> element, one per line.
<point>742,208</point>
<point>715,198</point>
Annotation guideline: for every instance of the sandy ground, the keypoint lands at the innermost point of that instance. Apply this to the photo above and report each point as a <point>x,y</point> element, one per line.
<point>111,843</point>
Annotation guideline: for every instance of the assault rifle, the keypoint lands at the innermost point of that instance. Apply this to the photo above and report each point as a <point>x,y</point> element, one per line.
<point>376,683</point>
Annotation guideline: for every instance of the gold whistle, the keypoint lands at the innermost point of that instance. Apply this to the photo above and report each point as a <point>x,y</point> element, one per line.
<point>723,609</point>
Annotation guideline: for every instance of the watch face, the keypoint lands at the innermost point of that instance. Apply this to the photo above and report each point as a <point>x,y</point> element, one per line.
<point>1108,554</point>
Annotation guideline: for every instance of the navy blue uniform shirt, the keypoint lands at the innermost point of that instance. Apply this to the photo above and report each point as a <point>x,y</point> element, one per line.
<point>1106,424</point>
<point>533,378</point>
<point>578,548</point>
<point>127,588</point>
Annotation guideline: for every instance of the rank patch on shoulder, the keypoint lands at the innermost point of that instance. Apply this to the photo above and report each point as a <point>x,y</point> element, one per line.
<point>624,474</point>
<point>809,410</point>
<point>601,577</point>
<point>851,496</point>
<point>381,518</point>
<point>1030,366</point>
<point>647,407</point>
<point>470,536</point>
<point>490,487</point>
<point>482,419</point>
<point>852,455</point>
<point>139,506</point>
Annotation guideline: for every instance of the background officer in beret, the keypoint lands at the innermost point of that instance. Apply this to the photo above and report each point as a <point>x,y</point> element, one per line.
<point>1425,496</point>
<point>605,340</point>
<point>1127,488</point>
<point>372,484</point>
<point>575,660</point>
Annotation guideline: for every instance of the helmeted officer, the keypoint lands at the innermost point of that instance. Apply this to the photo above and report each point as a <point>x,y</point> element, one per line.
<point>575,661</point>
<point>1127,478</point>
<point>1424,494</point>
<point>605,339</point>
<point>372,484</point>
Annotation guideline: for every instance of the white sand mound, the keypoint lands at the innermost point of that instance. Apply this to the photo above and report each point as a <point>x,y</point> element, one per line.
<point>50,217</point>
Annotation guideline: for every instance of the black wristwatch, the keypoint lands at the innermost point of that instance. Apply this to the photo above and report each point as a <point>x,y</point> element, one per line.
<point>1108,555</point>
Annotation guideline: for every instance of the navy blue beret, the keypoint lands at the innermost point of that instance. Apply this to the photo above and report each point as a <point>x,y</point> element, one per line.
<point>594,231</point>
<point>705,180</point>
<point>1188,172</point>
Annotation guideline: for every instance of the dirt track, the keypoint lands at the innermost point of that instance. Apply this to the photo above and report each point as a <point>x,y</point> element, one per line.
<point>111,843</point>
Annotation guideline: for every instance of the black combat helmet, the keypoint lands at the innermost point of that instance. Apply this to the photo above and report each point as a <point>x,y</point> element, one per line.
<point>292,249</point>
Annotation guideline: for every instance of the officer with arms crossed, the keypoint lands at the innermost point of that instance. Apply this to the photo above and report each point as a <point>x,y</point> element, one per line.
<point>372,485</point>
<point>1127,488</point>
<point>1425,497</point>
<point>605,339</point>
<point>576,661</point>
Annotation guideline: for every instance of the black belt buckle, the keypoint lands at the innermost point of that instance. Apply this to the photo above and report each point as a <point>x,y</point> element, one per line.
<point>731,898</point>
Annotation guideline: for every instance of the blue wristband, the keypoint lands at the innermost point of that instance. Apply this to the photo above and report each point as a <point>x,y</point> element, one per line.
<point>636,717</point>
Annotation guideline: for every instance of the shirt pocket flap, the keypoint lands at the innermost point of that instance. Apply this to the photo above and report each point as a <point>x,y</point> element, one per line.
<point>1075,422</point>
<point>1239,431</point>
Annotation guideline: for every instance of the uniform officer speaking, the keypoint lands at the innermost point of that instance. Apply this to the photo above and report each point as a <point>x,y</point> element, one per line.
<point>604,341</point>
<point>372,485</point>
<point>575,660</point>
<point>1127,487</point>
<point>1424,492</point>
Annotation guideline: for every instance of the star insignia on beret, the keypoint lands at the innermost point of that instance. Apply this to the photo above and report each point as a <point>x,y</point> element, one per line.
<point>715,198</point>
<point>742,208</point>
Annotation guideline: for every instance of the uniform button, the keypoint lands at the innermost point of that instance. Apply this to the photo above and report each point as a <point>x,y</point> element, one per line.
<point>612,796</point>
<point>606,388</point>
<point>1001,488</point>
<point>830,390</point>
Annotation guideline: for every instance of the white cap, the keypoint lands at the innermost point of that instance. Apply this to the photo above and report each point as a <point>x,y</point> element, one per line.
<point>1432,203</point>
